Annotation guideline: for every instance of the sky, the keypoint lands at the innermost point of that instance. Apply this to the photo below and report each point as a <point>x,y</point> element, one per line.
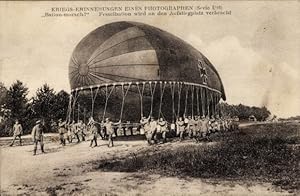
<point>255,49</point>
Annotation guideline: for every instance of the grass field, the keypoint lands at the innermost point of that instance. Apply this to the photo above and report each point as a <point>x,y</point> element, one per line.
<point>260,153</point>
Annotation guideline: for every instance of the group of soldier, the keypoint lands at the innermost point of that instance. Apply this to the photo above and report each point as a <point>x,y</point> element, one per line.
<point>194,127</point>
<point>156,131</point>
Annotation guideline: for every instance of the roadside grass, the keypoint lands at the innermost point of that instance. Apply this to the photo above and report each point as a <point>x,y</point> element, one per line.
<point>266,153</point>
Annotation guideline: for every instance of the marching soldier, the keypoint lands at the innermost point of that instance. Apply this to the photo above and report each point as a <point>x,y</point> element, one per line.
<point>18,131</point>
<point>94,132</point>
<point>147,132</point>
<point>81,130</point>
<point>153,127</point>
<point>205,127</point>
<point>143,122</point>
<point>62,131</point>
<point>38,136</point>
<point>110,130</point>
<point>163,128</point>
<point>75,130</point>
<point>180,127</point>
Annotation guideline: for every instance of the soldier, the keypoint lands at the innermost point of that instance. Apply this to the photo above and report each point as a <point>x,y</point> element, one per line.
<point>181,127</point>
<point>205,127</point>
<point>143,122</point>
<point>173,129</point>
<point>62,131</point>
<point>153,127</point>
<point>81,128</point>
<point>147,132</point>
<point>94,132</point>
<point>163,129</point>
<point>75,130</point>
<point>38,136</point>
<point>191,125</point>
<point>18,131</point>
<point>110,130</point>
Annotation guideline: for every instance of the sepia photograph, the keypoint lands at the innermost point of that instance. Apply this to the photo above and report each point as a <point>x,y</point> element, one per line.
<point>150,98</point>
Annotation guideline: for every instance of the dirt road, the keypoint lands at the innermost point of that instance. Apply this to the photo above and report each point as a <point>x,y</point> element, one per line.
<point>72,170</point>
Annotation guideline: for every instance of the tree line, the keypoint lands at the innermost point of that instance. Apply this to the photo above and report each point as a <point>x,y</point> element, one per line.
<point>243,111</point>
<point>46,104</point>
<point>51,106</point>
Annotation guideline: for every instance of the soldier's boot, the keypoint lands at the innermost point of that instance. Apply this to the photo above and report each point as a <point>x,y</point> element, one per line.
<point>20,141</point>
<point>42,148</point>
<point>34,151</point>
<point>96,143</point>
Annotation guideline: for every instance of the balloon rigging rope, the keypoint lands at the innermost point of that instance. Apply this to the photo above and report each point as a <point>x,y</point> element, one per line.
<point>192,88</point>
<point>74,102</point>
<point>179,98</point>
<point>197,96</point>
<point>141,93</point>
<point>94,99</point>
<point>124,94</point>
<point>107,95</point>
<point>68,117</point>
<point>186,97</point>
<point>172,87</point>
<point>162,90</point>
<point>152,96</point>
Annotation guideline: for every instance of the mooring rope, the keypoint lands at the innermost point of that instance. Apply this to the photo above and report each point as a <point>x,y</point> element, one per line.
<point>197,96</point>
<point>74,102</point>
<point>186,97</point>
<point>172,87</point>
<point>124,94</point>
<point>192,88</point>
<point>179,98</point>
<point>152,96</point>
<point>93,100</point>
<point>162,90</point>
<point>141,93</point>
<point>107,95</point>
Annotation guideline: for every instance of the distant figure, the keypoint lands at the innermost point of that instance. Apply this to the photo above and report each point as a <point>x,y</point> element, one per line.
<point>18,131</point>
<point>38,136</point>
<point>81,129</point>
<point>153,127</point>
<point>181,128</point>
<point>163,128</point>
<point>143,122</point>
<point>110,131</point>
<point>94,132</point>
<point>75,130</point>
<point>62,132</point>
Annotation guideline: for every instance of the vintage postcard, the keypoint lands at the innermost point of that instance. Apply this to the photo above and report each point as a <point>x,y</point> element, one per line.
<point>149,97</point>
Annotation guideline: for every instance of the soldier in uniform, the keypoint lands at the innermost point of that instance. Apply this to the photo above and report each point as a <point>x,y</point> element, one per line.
<point>110,130</point>
<point>143,121</point>
<point>62,131</point>
<point>163,128</point>
<point>205,127</point>
<point>18,131</point>
<point>191,126</point>
<point>38,136</point>
<point>94,132</point>
<point>181,128</point>
<point>75,130</point>
<point>81,130</point>
<point>147,132</point>
<point>153,127</point>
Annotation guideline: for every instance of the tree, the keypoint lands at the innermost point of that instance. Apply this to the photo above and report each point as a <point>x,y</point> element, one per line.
<point>16,103</point>
<point>60,106</point>
<point>3,95</point>
<point>43,104</point>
